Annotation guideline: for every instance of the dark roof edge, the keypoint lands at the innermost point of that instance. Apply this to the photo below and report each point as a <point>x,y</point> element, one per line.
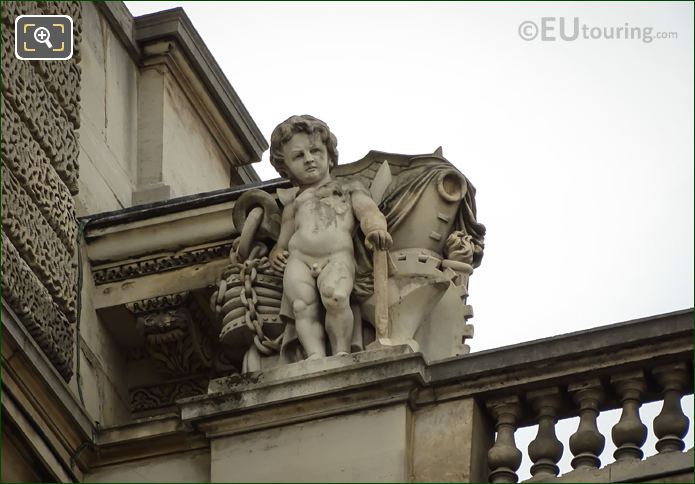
<point>174,23</point>
<point>189,202</point>
<point>599,340</point>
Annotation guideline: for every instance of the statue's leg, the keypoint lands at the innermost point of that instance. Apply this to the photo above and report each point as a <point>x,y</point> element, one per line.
<point>300,288</point>
<point>335,286</point>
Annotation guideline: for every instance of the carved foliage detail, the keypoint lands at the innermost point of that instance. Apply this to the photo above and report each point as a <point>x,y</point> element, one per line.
<point>31,301</point>
<point>29,164</point>
<point>39,245</point>
<point>157,396</point>
<point>40,109</point>
<point>177,340</point>
<point>40,106</point>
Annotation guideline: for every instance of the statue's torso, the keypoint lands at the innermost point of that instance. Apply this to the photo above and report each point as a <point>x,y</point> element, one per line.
<point>323,221</point>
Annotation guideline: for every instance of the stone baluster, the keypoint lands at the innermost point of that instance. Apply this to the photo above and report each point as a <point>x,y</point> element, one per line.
<point>545,450</point>
<point>587,443</point>
<point>671,425</point>
<point>504,458</point>
<point>629,434</point>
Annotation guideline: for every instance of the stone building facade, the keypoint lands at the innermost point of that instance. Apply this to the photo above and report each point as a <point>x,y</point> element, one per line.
<point>127,184</point>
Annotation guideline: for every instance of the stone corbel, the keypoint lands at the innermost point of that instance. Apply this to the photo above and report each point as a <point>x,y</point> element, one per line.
<point>176,338</point>
<point>182,346</point>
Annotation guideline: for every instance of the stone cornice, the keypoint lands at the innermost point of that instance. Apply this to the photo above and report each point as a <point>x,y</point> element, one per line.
<point>296,393</point>
<point>145,211</point>
<point>163,236</point>
<point>161,263</point>
<point>564,359</point>
<point>148,437</point>
<point>175,24</point>
<point>121,21</point>
<point>45,399</point>
<point>604,340</point>
<point>135,33</point>
<point>278,396</point>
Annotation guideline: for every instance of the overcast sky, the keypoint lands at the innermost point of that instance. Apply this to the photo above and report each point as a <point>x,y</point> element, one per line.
<point>581,150</point>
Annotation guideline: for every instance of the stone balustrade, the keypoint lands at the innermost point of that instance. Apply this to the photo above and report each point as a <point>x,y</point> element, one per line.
<point>586,398</point>
<point>582,374</point>
<point>621,389</point>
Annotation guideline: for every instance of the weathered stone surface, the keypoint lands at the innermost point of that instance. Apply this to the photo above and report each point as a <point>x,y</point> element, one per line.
<point>180,346</point>
<point>40,152</point>
<point>459,432</point>
<point>33,304</point>
<point>30,165</point>
<point>665,467</point>
<point>41,248</point>
<point>181,467</point>
<point>165,394</point>
<point>339,448</point>
<point>307,369</point>
<point>341,291</point>
<point>299,382</point>
<point>42,113</point>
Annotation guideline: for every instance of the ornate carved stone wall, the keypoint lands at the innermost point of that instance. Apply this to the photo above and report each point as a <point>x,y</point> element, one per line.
<point>40,110</point>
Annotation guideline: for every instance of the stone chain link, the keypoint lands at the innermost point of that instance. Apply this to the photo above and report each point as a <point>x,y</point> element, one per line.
<point>248,270</point>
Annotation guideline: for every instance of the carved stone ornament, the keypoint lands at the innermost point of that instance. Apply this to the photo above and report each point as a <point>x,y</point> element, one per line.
<point>165,394</point>
<point>161,263</point>
<point>182,347</point>
<point>375,253</point>
<point>41,106</point>
<point>175,334</point>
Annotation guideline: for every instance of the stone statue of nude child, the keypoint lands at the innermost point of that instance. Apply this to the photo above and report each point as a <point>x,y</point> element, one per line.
<point>315,248</point>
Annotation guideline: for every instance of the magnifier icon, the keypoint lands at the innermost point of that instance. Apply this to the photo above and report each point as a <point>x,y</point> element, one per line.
<point>43,36</point>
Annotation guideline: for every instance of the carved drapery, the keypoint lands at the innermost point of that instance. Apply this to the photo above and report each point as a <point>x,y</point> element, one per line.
<point>39,172</point>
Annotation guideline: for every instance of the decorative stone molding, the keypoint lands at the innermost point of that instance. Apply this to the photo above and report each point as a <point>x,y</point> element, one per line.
<point>39,245</point>
<point>169,301</point>
<point>159,264</point>
<point>629,434</point>
<point>182,347</point>
<point>587,443</point>
<point>546,449</point>
<point>504,458</point>
<point>166,394</point>
<point>42,112</point>
<point>33,304</point>
<point>176,334</point>
<point>41,103</point>
<point>30,165</point>
<point>671,425</point>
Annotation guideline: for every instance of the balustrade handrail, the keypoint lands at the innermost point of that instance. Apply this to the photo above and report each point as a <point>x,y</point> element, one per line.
<point>579,374</point>
<point>568,358</point>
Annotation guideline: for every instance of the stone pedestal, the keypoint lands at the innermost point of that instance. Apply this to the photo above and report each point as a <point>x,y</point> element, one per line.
<point>350,418</point>
<point>363,446</point>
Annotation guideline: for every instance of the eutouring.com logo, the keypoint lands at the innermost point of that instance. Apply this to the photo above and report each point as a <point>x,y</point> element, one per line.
<point>551,29</point>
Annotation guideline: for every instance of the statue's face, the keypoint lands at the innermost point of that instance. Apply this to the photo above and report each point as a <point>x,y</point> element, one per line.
<point>306,159</point>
